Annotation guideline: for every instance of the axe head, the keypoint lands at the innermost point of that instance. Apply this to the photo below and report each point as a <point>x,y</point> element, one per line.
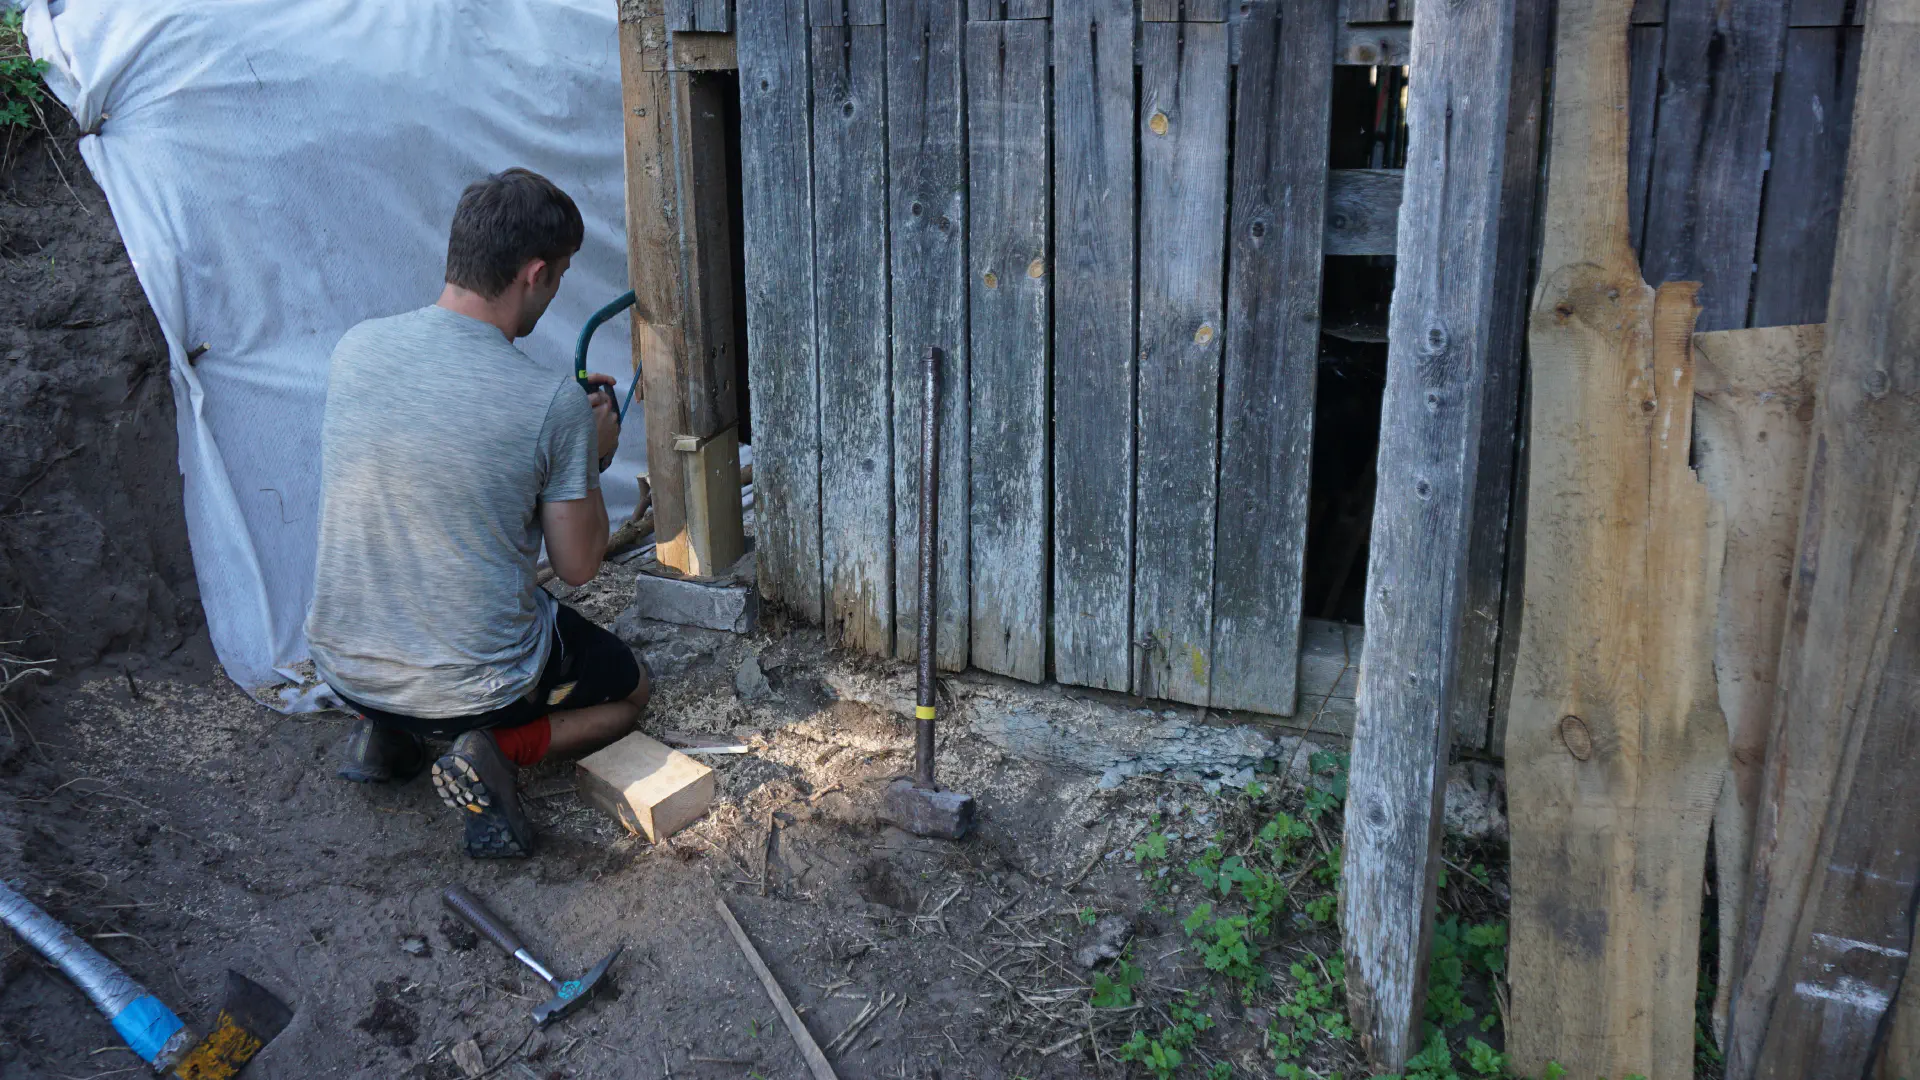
<point>572,992</point>
<point>250,1017</point>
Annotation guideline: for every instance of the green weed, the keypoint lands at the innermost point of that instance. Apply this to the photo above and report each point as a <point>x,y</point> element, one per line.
<point>21,88</point>
<point>1115,991</point>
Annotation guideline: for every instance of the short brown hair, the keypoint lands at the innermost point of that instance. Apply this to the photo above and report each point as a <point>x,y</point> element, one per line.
<point>505,220</point>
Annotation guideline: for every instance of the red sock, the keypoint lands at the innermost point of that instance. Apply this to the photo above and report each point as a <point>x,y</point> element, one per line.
<point>524,745</point>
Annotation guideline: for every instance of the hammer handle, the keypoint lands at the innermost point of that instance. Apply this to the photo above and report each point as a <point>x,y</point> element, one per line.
<point>475,914</point>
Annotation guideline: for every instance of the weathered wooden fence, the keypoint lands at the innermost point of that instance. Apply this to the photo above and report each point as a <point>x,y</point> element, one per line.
<point>1042,192</point>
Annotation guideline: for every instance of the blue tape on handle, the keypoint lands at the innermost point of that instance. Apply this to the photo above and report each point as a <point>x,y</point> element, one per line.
<point>146,1025</point>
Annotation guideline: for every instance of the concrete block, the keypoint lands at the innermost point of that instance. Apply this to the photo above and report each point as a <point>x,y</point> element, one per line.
<point>693,603</point>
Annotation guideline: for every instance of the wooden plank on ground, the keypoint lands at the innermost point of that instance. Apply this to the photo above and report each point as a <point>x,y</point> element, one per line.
<point>1008,287</point>
<point>1710,151</point>
<point>1363,211</point>
<point>926,171</point>
<point>1094,318</point>
<point>1615,745</point>
<point>1753,404</point>
<point>1500,418</point>
<point>1813,118</point>
<point>776,196</point>
<point>1278,222</point>
<point>1439,330</point>
<point>1184,77</point>
<point>647,786</point>
<point>1836,847</point>
<point>850,283</point>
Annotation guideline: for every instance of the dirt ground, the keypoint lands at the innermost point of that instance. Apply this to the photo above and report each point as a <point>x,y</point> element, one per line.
<point>185,830</point>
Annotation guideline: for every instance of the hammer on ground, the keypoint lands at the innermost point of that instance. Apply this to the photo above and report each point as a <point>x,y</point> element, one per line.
<point>249,1015</point>
<point>919,805</point>
<point>566,994</point>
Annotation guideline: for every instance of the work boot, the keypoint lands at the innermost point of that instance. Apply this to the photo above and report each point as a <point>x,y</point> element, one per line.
<point>476,779</point>
<point>377,755</point>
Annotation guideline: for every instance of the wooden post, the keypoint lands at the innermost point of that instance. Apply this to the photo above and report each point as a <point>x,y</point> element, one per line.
<point>1442,318</point>
<point>1615,744</point>
<point>678,252</point>
<point>1830,919</point>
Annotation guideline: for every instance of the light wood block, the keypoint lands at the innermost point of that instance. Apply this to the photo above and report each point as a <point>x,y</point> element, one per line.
<point>648,786</point>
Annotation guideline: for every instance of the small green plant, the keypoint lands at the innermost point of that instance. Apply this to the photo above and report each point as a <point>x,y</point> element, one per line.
<point>1306,1014</point>
<point>1219,1070</point>
<point>1155,1056</point>
<point>1226,948</point>
<point>1087,917</point>
<point>21,88</point>
<point>1115,991</point>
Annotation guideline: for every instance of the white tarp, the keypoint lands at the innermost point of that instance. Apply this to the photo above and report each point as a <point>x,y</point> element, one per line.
<point>282,169</point>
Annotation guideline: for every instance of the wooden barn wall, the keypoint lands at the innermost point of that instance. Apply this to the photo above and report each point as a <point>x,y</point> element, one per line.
<point>1110,218</point>
<point>1040,190</point>
<point>1738,148</point>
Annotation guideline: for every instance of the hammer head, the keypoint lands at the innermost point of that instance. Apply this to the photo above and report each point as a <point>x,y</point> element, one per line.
<point>572,992</point>
<point>929,811</point>
<point>249,1018</point>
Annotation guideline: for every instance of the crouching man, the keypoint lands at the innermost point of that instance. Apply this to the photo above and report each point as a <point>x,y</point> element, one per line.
<point>447,455</point>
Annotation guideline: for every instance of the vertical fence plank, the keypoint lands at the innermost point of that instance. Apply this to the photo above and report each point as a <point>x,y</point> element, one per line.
<point>1709,151</point>
<point>1643,47</point>
<point>712,16</point>
<point>850,235</point>
<point>1812,122</point>
<point>1094,318</point>
<point>1830,917</point>
<point>1753,400</point>
<point>1184,77</point>
<point>1273,337</point>
<point>1439,331</point>
<point>1480,627</point>
<point>1615,745</point>
<point>926,172</point>
<point>776,197</point>
<point>1006,87</point>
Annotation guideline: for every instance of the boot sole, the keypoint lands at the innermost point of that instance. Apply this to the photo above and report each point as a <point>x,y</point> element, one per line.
<point>495,828</point>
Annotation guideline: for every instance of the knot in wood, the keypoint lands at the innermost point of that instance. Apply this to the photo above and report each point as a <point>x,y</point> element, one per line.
<point>1875,384</point>
<point>1433,401</point>
<point>1157,123</point>
<point>915,209</point>
<point>1578,740</point>
<point>1036,268</point>
<point>1423,489</point>
<point>1204,334</point>
<point>990,279</point>
<point>1258,229</point>
<point>847,109</point>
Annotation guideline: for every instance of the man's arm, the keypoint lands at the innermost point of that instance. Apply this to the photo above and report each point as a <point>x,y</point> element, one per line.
<point>576,529</point>
<point>576,533</point>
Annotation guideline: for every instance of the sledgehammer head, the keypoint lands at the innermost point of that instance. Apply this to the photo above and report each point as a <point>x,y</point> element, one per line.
<point>929,811</point>
<point>249,1018</point>
<point>572,992</point>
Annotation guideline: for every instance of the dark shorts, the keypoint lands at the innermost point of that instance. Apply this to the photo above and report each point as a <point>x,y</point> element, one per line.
<point>587,666</point>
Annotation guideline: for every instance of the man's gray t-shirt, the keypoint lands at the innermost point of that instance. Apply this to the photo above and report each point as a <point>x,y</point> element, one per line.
<point>440,442</point>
